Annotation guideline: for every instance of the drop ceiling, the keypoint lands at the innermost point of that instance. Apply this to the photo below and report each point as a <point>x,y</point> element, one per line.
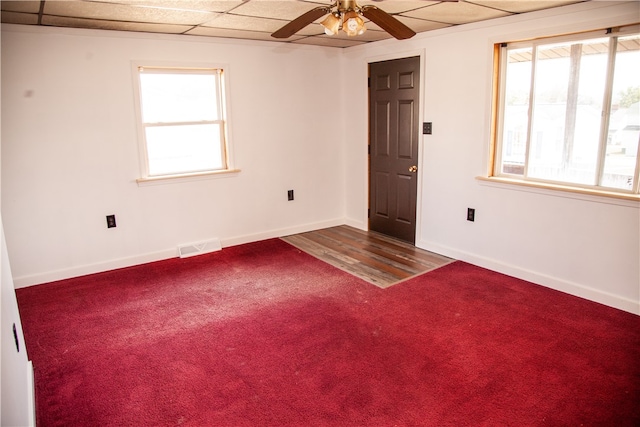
<point>254,19</point>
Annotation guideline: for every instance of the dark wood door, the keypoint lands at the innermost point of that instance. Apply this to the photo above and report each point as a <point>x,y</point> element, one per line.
<point>394,93</point>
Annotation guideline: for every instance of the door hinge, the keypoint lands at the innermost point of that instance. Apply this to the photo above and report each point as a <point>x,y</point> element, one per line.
<point>369,213</point>
<point>368,81</point>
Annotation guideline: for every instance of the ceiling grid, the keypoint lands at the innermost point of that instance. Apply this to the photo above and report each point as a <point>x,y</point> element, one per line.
<point>254,19</point>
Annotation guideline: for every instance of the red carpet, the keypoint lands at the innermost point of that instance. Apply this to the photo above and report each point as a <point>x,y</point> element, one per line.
<point>265,335</point>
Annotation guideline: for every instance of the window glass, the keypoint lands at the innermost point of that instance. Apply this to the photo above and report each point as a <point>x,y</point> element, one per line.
<point>183,121</point>
<point>569,88</point>
<point>178,97</point>
<point>569,110</point>
<point>177,149</point>
<point>624,119</point>
<point>516,107</point>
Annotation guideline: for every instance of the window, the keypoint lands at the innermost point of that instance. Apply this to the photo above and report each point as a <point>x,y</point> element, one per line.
<point>182,121</point>
<point>568,110</point>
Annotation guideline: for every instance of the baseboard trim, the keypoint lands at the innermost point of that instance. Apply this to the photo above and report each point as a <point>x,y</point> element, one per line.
<point>360,225</point>
<point>76,271</point>
<point>83,270</point>
<point>575,289</point>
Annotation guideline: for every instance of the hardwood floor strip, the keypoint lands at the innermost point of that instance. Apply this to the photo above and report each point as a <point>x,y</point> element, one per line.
<point>341,261</point>
<point>399,251</point>
<point>373,257</point>
<point>376,240</point>
<point>365,256</point>
<point>386,242</point>
<point>388,250</point>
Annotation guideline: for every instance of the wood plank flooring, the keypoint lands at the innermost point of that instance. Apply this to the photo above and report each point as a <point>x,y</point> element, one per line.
<point>373,257</point>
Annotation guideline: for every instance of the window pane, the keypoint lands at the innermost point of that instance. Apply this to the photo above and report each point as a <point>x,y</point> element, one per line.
<point>516,108</point>
<point>624,121</point>
<point>168,98</point>
<point>181,149</point>
<point>569,88</point>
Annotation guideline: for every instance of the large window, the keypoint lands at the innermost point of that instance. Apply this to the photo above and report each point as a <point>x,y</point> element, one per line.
<point>568,110</point>
<point>182,121</point>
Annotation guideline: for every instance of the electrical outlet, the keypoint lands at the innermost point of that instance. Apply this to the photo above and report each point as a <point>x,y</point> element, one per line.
<point>471,214</point>
<point>427,128</point>
<point>290,195</point>
<point>111,221</point>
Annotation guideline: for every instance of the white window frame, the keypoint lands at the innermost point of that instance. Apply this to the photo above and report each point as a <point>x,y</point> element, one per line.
<point>223,108</point>
<point>500,63</point>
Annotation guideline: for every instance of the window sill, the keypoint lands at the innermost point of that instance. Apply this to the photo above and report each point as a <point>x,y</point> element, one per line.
<point>602,196</point>
<point>185,177</point>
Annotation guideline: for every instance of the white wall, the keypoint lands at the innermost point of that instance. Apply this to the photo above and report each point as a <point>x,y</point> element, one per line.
<point>70,153</point>
<point>17,395</point>
<point>586,246</point>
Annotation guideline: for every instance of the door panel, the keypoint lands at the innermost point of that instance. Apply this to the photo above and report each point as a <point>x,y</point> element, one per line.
<point>383,81</point>
<point>393,115</point>
<point>406,140</point>
<point>404,190</point>
<point>382,110</point>
<point>382,195</point>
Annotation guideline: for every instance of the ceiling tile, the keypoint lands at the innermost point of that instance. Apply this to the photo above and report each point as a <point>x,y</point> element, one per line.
<point>516,6</point>
<point>310,30</point>
<point>420,25</point>
<point>19,18</point>
<point>21,6</point>
<point>179,5</point>
<point>286,10</point>
<point>456,13</point>
<point>233,34</point>
<point>97,24</point>
<point>393,6</point>
<point>244,23</point>
<point>126,13</point>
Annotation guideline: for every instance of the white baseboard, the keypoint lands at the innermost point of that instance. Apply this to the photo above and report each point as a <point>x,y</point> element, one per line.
<point>76,271</point>
<point>360,225</point>
<point>591,294</point>
<point>82,270</point>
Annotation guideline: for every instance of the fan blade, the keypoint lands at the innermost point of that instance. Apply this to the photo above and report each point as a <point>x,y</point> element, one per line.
<point>300,22</point>
<point>387,22</point>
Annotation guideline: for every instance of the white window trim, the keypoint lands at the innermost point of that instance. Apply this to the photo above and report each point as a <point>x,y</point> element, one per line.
<point>587,194</point>
<point>187,177</point>
<point>225,105</point>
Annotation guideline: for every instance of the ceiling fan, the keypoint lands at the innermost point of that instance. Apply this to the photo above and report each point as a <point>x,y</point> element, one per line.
<point>345,15</point>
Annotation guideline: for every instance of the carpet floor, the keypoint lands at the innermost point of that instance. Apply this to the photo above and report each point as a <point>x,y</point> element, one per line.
<point>266,335</point>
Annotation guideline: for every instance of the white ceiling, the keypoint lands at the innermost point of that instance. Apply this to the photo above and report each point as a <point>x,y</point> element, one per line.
<point>254,19</point>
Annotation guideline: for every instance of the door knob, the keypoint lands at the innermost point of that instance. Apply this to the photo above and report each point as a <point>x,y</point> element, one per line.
<point>413,168</point>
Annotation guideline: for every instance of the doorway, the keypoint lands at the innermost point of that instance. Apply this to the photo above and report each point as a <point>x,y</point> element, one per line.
<point>394,94</point>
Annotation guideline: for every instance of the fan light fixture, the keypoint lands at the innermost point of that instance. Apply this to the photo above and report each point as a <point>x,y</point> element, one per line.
<point>347,16</point>
<point>353,25</point>
<point>331,24</point>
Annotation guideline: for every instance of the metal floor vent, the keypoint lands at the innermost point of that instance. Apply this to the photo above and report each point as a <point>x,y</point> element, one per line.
<point>200,248</point>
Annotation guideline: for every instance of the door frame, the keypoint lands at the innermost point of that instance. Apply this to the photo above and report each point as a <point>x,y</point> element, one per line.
<point>421,109</point>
